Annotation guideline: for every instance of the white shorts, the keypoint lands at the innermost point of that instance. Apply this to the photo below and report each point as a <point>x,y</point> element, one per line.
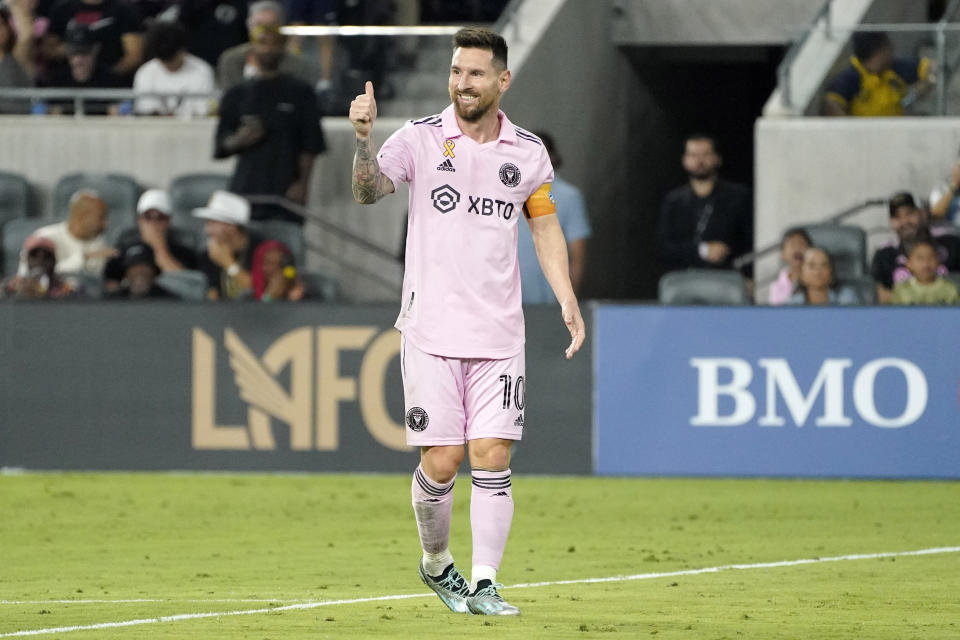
<point>449,401</point>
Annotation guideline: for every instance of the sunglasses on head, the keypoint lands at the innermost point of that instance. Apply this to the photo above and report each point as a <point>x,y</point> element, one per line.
<point>154,215</point>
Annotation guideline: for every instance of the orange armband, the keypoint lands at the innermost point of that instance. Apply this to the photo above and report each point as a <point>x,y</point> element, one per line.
<point>540,203</point>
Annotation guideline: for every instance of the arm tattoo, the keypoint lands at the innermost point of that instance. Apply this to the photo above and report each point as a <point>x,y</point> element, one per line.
<point>367,181</point>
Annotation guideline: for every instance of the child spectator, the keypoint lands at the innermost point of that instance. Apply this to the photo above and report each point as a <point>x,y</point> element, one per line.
<point>793,246</point>
<point>274,274</point>
<point>926,286</point>
<point>817,286</point>
<point>37,279</point>
<point>140,273</point>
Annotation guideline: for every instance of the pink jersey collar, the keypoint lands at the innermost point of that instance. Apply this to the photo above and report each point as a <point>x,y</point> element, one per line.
<point>508,133</point>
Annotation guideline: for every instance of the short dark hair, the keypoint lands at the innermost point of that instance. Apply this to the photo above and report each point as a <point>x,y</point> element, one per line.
<point>901,199</point>
<point>796,231</point>
<point>921,241</point>
<point>712,139</point>
<point>479,38</point>
<point>5,17</point>
<point>867,44</point>
<point>165,39</point>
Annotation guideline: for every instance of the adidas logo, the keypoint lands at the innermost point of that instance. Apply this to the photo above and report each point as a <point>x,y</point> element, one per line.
<point>502,493</point>
<point>446,165</point>
<point>432,500</point>
<point>519,421</point>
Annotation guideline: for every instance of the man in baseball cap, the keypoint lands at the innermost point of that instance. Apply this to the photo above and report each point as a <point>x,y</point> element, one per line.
<point>153,228</point>
<point>230,246</point>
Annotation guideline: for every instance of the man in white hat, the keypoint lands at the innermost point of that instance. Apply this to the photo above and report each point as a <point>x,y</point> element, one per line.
<point>153,229</point>
<point>230,246</point>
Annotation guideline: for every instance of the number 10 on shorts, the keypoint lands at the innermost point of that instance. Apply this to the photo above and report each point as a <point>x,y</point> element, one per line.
<point>515,391</point>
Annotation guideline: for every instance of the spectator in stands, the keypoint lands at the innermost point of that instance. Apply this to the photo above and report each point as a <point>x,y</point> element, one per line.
<point>83,72</point>
<point>316,12</point>
<point>707,222</point>
<point>213,26</point>
<point>115,25</point>
<point>228,258</point>
<point>793,246</point>
<point>925,286</point>
<point>15,53</point>
<point>272,123</point>
<point>572,215</point>
<point>79,240</point>
<point>140,271</point>
<point>876,83</point>
<point>945,198</point>
<point>274,274</point>
<point>153,229</point>
<point>172,70</point>
<point>890,262</point>
<point>242,62</point>
<point>817,285</point>
<point>37,279</point>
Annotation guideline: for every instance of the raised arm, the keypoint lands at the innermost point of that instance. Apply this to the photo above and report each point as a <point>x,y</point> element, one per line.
<point>552,255</point>
<point>368,184</point>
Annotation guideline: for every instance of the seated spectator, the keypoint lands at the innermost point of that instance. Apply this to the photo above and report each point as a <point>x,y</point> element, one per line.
<point>707,222</point>
<point>228,258</point>
<point>945,197</point>
<point>274,274</point>
<point>15,54</point>
<point>890,262</point>
<point>37,279</point>
<point>140,273</point>
<point>153,229</point>
<point>213,26</point>
<point>115,25</point>
<point>817,285</point>
<point>572,215</point>
<point>925,286</point>
<point>79,240</point>
<point>793,246</point>
<point>876,83</point>
<point>82,71</point>
<point>272,124</point>
<point>172,71</point>
<point>240,63</point>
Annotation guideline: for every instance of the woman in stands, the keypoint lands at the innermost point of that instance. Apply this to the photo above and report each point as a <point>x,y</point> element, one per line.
<point>817,285</point>
<point>274,274</point>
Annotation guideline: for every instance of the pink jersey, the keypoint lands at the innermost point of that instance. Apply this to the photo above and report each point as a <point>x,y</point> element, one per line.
<point>461,288</point>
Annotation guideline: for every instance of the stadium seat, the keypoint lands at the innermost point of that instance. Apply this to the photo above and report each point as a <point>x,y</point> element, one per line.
<point>189,285</point>
<point>14,197</point>
<point>15,232</point>
<point>289,233</point>
<point>847,246</point>
<point>118,190</point>
<point>704,286</point>
<point>192,190</point>
<point>865,288</point>
<point>321,286</point>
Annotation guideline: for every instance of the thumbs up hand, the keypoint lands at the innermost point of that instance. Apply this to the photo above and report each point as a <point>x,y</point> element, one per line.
<point>363,111</point>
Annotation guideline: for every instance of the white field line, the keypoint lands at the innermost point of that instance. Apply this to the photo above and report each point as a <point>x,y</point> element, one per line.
<point>528,585</point>
<point>135,600</point>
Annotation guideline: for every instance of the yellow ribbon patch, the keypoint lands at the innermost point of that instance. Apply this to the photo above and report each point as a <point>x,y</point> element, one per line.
<point>448,145</point>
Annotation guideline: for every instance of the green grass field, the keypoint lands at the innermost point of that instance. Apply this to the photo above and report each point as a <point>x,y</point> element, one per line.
<point>186,544</point>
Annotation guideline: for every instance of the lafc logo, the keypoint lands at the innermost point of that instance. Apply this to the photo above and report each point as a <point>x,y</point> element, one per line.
<point>310,404</point>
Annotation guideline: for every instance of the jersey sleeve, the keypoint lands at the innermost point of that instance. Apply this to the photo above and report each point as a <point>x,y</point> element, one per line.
<point>396,155</point>
<point>541,201</point>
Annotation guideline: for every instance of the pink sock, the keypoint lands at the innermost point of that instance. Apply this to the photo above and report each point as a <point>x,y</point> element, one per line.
<point>491,511</point>
<point>433,506</point>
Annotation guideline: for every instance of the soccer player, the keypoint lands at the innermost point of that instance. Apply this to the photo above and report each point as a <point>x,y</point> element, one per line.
<point>472,175</point>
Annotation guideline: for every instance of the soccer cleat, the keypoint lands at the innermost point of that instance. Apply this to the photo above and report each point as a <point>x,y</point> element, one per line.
<point>450,586</point>
<point>487,602</point>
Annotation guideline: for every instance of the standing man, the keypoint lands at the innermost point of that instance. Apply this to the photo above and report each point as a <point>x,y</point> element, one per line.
<point>471,174</point>
<point>271,122</point>
<point>707,222</point>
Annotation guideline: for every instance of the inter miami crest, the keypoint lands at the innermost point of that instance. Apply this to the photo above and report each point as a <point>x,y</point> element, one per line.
<point>509,174</point>
<point>417,419</point>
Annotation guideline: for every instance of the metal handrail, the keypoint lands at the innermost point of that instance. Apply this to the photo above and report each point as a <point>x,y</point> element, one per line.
<point>753,256</point>
<point>784,69</point>
<point>338,231</point>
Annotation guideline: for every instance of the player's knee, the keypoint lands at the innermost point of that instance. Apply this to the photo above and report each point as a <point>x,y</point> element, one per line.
<point>441,463</point>
<point>490,455</point>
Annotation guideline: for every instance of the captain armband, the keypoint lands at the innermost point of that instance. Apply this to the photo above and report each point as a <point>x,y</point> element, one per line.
<point>541,203</point>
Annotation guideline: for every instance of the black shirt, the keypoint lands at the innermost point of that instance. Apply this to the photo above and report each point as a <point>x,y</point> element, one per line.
<point>217,278</point>
<point>288,109</point>
<point>108,22</point>
<point>686,220</point>
<point>213,26</point>
<point>113,270</point>
<point>890,263</point>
